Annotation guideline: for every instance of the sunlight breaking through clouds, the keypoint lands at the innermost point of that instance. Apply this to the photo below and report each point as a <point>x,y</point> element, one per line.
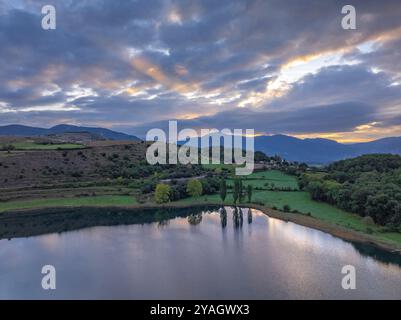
<point>199,59</point>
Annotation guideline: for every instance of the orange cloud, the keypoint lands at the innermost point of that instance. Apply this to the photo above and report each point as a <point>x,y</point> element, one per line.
<point>144,66</point>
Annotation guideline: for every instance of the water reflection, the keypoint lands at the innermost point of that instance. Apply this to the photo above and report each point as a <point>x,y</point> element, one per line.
<point>276,260</point>
<point>377,253</point>
<point>249,216</point>
<point>238,217</point>
<point>62,220</point>
<point>223,217</point>
<point>195,219</point>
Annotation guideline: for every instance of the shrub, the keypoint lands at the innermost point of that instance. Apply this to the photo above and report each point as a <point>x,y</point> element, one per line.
<point>194,188</point>
<point>76,174</point>
<point>369,230</point>
<point>368,221</point>
<point>162,194</point>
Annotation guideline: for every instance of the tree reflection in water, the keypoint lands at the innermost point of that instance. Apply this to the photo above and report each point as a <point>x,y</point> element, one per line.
<point>237,218</point>
<point>249,216</point>
<point>59,220</point>
<point>195,219</point>
<point>223,217</point>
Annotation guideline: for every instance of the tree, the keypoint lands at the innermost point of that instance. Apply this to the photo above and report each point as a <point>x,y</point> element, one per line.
<point>194,188</point>
<point>236,191</point>
<point>223,189</point>
<point>249,193</point>
<point>162,193</point>
<point>8,147</point>
<point>241,193</point>
<point>316,190</point>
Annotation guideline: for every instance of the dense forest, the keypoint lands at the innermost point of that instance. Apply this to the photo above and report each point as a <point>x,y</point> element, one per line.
<point>369,185</point>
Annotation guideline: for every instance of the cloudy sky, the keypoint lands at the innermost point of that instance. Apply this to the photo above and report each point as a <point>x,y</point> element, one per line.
<point>276,66</point>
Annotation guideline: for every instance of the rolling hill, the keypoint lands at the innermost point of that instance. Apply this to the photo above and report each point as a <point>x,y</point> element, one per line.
<point>20,130</point>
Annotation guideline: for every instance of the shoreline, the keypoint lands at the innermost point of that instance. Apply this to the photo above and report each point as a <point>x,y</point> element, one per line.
<point>300,219</point>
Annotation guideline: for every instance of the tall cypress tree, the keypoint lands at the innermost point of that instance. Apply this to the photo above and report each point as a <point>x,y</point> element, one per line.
<point>241,193</point>
<point>249,193</point>
<point>235,191</point>
<point>223,189</point>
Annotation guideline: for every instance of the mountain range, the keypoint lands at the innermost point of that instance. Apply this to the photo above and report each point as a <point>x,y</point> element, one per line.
<point>322,151</point>
<point>19,130</point>
<point>312,151</point>
<point>318,150</point>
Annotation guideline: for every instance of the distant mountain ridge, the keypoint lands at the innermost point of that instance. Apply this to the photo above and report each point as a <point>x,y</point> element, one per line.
<point>322,151</point>
<point>312,151</point>
<point>20,130</point>
<point>319,150</point>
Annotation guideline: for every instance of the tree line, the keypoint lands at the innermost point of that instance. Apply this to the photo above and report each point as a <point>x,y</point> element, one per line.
<point>369,185</point>
<point>196,187</point>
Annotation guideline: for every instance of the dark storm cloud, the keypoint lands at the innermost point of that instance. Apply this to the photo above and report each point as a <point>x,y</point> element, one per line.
<point>342,83</point>
<point>325,118</point>
<point>228,49</point>
<point>334,86</point>
<point>385,57</point>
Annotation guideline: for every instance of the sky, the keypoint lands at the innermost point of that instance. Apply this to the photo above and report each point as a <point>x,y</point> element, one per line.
<point>278,67</point>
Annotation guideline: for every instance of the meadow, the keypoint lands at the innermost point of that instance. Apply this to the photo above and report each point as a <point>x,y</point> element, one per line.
<point>41,146</point>
<point>98,201</point>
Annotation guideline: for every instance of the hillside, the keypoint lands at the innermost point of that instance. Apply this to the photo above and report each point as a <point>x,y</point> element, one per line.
<point>38,168</point>
<point>19,130</point>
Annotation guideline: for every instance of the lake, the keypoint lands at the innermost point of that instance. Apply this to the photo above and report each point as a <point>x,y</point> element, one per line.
<point>200,253</point>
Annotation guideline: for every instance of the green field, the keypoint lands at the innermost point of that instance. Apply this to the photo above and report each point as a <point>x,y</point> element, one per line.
<point>265,179</point>
<point>299,201</point>
<point>63,202</point>
<point>39,146</point>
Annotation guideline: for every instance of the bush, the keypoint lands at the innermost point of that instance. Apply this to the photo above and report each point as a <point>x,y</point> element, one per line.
<point>368,221</point>
<point>76,174</point>
<point>162,194</point>
<point>369,230</point>
<point>391,227</point>
<point>286,208</point>
<point>194,188</point>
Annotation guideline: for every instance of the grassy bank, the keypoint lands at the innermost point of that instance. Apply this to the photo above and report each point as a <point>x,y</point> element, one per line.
<point>112,200</point>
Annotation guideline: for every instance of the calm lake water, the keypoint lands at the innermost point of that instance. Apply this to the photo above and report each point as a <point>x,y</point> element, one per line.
<point>185,254</point>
